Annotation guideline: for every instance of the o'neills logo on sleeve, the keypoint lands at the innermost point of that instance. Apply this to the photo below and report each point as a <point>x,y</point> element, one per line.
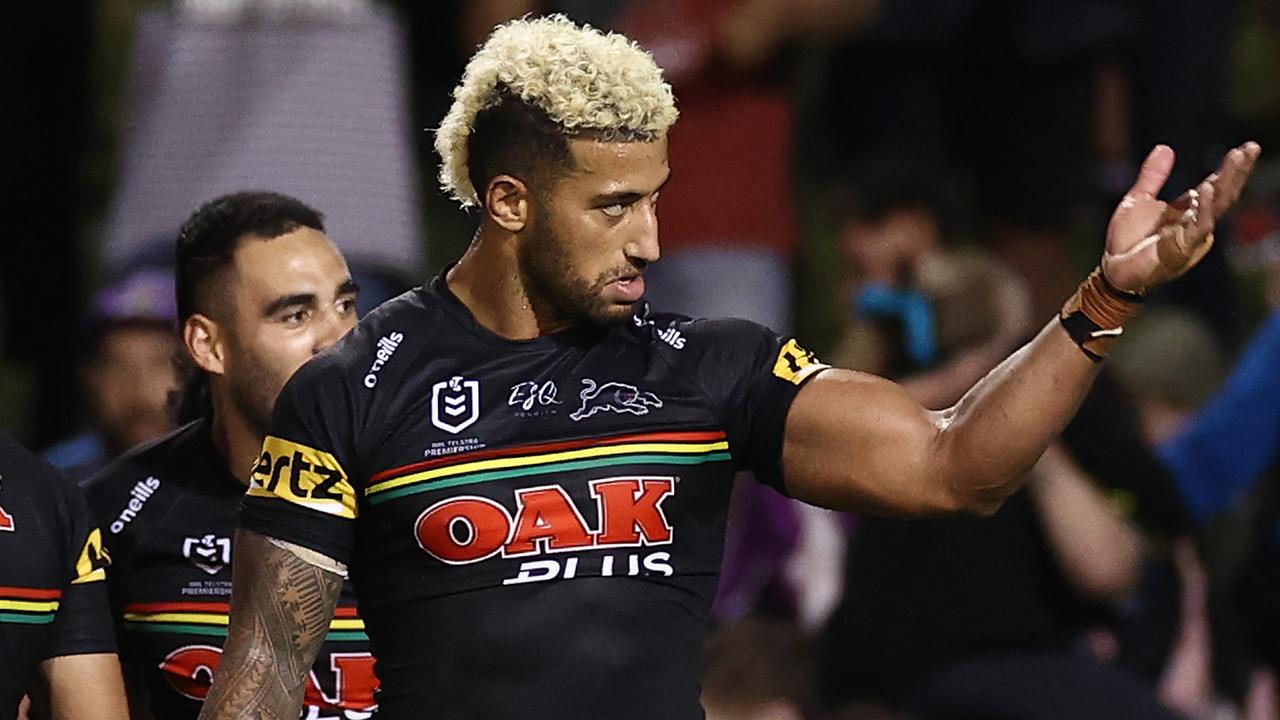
<point>387,345</point>
<point>138,496</point>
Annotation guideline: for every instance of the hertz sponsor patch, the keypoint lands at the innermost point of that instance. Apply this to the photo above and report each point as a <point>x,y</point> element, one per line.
<point>304,476</point>
<point>794,363</point>
<point>93,558</point>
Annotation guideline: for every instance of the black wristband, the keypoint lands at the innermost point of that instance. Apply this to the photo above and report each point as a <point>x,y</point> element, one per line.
<point>1084,331</point>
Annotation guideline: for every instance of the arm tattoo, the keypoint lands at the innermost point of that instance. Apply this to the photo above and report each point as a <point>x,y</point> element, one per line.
<point>281,606</point>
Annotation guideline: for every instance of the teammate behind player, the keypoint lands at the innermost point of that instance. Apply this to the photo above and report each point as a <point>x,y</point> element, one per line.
<point>260,289</point>
<point>527,471</point>
<point>55,627</point>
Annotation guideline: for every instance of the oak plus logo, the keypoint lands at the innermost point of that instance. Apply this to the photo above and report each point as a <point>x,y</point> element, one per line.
<point>209,552</point>
<point>455,404</point>
<point>347,688</point>
<point>628,513</point>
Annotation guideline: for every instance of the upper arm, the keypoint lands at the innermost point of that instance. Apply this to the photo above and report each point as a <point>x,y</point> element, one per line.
<point>302,489</point>
<point>85,686</point>
<point>855,441</point>
<point>281,606</point>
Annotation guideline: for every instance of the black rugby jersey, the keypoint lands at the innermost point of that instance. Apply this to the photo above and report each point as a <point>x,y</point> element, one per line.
<point>53,601</point>
<point>534,527</point>
<point>168,511</point>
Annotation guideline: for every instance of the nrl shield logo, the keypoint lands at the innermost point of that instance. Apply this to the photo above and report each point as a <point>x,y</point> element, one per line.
<point>210,553</point>
<point>613,397</point>
<point>455,404</point>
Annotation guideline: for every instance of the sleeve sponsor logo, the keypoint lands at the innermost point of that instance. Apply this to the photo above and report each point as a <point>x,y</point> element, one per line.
<point>794,363</point>
<point>303,476</point>
<point>93,559</point>
<point>6,520</point>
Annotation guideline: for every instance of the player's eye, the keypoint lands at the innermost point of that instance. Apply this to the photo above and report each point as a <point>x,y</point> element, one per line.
<point>615,210</point>
<point>347,305</point>
<point>296,317</point>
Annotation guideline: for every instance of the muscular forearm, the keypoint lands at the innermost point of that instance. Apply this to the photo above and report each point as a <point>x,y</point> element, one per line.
<point>997,431</point>
<point>281,606</point>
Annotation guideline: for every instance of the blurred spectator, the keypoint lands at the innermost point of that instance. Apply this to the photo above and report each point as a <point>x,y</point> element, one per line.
<point>1170,362</point>
<point>1003,88</point>
<point>127,369</point>
<point>1220,441</point>
<point>758,669</point>
<point>912,289</point>
<point>963,617</point>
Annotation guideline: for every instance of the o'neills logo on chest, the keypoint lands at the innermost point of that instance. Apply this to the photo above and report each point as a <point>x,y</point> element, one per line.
<point>139,494</point>
<point>468,528</point>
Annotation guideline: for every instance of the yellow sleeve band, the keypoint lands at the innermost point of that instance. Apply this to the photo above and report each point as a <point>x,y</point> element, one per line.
<point>794,363</point>
<point>303,476</point>
<point>93,558</point>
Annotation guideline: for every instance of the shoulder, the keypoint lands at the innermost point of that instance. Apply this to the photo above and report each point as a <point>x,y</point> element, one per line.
<point>32,484</point>
<point>375,348</point>
<point>120,492</point>
<point>699,339</point>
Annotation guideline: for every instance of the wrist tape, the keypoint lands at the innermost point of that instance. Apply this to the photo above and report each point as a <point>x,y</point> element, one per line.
<point>1095,314</point>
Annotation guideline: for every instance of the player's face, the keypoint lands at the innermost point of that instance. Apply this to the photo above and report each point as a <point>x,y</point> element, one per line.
<point>596,229</point>
<point>293,297</point>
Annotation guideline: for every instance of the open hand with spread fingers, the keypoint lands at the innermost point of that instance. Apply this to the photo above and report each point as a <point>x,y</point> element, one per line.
<point>1150,241</point>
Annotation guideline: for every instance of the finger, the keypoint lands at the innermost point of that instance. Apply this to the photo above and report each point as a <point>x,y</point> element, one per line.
<point>1205,214</point>
<point>1240,163</point>
<point>1230,179</point>
<point>1154,172</point>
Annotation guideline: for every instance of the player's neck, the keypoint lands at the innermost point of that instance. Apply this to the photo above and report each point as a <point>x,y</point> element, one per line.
<point>236,440</point>
<point>488,281</point>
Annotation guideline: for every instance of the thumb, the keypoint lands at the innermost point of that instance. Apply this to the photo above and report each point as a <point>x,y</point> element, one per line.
<point>1154,172</point>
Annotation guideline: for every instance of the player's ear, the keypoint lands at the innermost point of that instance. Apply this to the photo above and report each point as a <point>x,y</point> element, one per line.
<point>203,338</point>
<point>506,202</point>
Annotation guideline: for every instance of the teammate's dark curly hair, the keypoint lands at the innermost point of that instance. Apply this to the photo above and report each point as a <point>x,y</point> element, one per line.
<point>205,248</point>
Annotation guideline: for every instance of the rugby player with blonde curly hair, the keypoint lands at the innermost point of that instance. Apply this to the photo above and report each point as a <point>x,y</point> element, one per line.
<point>527,469</point>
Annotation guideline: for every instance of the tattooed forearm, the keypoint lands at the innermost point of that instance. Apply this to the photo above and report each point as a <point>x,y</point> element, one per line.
<point>280,612</point>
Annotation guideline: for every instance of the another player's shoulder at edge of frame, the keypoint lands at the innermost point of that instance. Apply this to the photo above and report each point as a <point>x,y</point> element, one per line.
<point>375,350</point>
<point>119,493</point>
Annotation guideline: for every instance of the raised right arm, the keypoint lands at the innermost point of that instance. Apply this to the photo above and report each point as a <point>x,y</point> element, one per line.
<point>281,606</point>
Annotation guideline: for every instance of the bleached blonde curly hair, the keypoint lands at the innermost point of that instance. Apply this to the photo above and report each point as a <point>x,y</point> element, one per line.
<point>588,83</point>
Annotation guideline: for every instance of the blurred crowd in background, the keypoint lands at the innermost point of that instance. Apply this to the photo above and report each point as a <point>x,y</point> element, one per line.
<point>910,187</point>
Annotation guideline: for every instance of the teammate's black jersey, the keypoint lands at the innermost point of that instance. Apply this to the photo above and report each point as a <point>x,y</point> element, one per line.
<point>53,601</point>
<point>168,511</point>
<point>534,527</point>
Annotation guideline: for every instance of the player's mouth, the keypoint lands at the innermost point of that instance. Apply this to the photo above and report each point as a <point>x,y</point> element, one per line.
<point>626,289</point>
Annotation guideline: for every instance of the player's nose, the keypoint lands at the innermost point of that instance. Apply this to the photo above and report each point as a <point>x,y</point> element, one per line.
<point>330,329</point>
<point>643,245</point>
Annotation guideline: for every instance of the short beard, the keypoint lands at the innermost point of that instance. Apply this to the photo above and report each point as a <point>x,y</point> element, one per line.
<point>554,294</point>
<point>253,393</point>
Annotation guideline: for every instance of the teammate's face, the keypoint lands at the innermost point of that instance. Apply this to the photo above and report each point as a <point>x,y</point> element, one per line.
<point>594,231</point>
<point>129,381</point>
<point>292,296</point>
